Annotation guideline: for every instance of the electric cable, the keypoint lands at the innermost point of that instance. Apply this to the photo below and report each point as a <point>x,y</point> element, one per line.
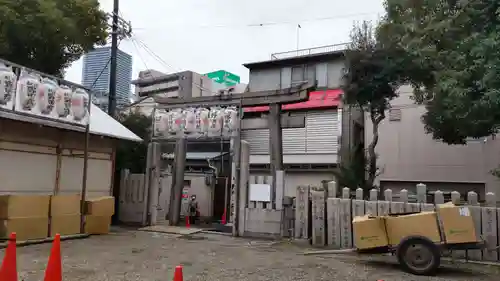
<point>269,23</point>
<point>165,64</point>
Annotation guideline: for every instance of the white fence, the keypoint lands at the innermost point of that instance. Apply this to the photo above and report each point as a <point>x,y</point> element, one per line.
<point>329,223</point>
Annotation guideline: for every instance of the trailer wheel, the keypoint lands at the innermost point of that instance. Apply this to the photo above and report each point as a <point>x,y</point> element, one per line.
<point>419,256</point>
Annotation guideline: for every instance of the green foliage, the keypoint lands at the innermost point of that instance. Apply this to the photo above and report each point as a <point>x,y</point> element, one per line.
<point>48,35</point>
<point>132,155</point>
<point>457,44</point>
<point>374,73</point>
<point>351,173</point>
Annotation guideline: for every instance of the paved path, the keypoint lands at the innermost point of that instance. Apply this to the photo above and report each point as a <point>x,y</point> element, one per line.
<point>147,256</point>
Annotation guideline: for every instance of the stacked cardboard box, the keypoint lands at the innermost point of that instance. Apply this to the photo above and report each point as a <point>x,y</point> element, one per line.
<point>457,224</point>
<point>98,212</point>
<point>381,231</point>
<point>65,214</point>
<point>27,215</point>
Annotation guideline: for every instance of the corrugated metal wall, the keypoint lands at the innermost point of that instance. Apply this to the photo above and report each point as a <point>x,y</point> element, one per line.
<point>30,156</point>
<point>322,131</point>
<point>320,135</point>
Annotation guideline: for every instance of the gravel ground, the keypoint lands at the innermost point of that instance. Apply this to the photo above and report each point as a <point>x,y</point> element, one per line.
<point>146,256</point>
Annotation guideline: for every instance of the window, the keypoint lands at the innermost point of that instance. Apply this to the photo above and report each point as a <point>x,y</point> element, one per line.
<point>297,74</point>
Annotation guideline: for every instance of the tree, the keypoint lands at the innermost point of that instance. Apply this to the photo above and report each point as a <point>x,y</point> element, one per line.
<point>457,43</point>
<point>352,173</point>
<point>132,155</point>
<point>48,35</point>
<point>374,73</point>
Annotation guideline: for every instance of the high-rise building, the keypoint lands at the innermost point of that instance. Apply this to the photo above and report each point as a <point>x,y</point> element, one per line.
<point>93,64</point>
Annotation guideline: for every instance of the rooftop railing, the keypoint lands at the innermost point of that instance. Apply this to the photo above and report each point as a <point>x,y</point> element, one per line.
<point>309,51</point>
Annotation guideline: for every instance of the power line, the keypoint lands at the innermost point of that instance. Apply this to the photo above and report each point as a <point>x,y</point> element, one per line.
<point>154,55</point>
<point>269,23</point>
<point>164,63</point>
<point>136,43</point>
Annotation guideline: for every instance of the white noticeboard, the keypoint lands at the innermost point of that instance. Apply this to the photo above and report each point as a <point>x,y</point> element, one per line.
<point>260,192</point>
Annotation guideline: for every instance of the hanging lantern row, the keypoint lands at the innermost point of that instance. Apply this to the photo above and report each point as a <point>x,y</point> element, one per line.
<point>33,94</point>
<point>196,122</point>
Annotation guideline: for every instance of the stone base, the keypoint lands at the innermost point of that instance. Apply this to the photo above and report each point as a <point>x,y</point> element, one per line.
<point>302,242</point>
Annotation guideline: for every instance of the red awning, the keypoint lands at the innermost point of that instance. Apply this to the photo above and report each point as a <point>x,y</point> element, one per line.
<point>317,99</point>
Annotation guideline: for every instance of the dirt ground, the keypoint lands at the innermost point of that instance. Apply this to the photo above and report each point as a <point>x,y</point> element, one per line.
<point>133,255</point>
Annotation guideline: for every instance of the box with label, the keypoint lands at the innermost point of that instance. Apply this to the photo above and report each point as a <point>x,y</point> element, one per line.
<point>25,228</point>
<point>458,224</point>
<point>369,232</point>
<point>61,205</point>
<point>21,206</point>
<point>421,224</point>
<point>97,224</point>
<point>65,225</point>
<point>101,206</point>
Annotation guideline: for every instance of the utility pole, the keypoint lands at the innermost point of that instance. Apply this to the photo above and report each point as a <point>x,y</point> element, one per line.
<point>114,53</point>
<point>119,29</point>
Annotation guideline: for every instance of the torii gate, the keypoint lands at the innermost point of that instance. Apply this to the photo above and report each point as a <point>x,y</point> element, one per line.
<point>275,122</point>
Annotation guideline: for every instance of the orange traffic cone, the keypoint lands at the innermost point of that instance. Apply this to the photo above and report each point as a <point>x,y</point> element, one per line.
<point>188,225</point>
<point>224,217</point>
<point>8,271</point>
<point>54,266</point>
<point>178,276</point>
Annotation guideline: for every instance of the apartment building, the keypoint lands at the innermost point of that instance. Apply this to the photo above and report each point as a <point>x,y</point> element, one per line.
<point>408,156</point>
<point>310,154</point>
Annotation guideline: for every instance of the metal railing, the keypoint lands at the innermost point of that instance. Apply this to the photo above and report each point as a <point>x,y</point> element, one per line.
<point>309,51</point>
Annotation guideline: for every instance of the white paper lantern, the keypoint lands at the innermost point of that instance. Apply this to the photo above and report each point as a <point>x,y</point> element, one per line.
<point>27,88</point>
<point>216,118</point>
<point>204,121</point>
<point>7,84</point>
<point>161,123</point>
<point>63,101</point>
<point>79,104</point>
<point>190,123</point>
<point>178,121</point>
<point>46,96</point>
<point>231,120</point>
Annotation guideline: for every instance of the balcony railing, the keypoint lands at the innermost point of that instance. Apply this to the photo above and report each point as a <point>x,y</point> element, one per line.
<point>309,51</point>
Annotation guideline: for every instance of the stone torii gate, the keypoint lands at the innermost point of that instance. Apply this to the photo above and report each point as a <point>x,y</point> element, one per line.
<point>275,122</point>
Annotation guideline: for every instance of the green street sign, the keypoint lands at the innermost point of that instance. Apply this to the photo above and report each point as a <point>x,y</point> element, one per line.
<point>224,77</point>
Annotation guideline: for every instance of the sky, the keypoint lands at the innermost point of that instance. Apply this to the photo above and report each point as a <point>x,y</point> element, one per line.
<point>208,35</point>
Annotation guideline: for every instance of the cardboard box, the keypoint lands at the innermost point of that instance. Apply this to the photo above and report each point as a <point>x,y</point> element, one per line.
<point>457,223</point>
<point>420,224</point>
<point>369,232</point>
<point>25,228</point>
<point>24,206</point>
<point>101,206</point>
<point>97,224</point>
<point>64,225</point>
<point>61,205</point>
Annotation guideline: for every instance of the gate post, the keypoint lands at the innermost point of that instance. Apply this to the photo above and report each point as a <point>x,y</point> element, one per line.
<point>243,186</point>
<point>153,179</point>
<point>151,184</point>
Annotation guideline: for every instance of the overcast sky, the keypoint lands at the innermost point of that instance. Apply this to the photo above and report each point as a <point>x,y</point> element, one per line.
<point>207,35</point>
